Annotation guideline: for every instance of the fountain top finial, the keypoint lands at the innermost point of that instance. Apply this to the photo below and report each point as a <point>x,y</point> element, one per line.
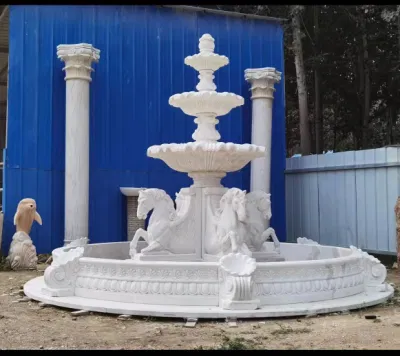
<point>206,104</point>
<point>206,44</point>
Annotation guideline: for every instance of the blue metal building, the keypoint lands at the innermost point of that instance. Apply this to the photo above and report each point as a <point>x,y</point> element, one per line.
<point>141,66</point>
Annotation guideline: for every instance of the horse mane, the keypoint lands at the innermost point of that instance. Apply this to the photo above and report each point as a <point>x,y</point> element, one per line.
<point>159,194</point>
<point>257,198</point>
<point>228,197</point>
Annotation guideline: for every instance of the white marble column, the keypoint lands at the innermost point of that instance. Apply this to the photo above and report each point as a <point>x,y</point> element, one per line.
<point>262,82</point>
<point>78,59</point>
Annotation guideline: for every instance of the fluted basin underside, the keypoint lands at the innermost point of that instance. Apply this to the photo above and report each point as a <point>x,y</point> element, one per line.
<point>206,156</point>
<point>192,103</point>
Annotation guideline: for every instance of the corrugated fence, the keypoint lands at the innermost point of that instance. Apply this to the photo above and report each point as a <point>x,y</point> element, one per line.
<point>141,66</point>
<point>344,198</point>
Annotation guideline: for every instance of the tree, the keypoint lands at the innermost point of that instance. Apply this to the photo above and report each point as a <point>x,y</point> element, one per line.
<point>342,74</point>
<point>305,138</point>
<point>319,129</point>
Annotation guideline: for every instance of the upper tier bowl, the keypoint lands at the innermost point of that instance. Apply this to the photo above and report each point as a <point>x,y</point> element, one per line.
<point>206,61</point>
<point>206,156</point>
<point>193,103</point>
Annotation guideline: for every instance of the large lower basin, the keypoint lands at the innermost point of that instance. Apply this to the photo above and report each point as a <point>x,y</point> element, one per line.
<point>313,278</point>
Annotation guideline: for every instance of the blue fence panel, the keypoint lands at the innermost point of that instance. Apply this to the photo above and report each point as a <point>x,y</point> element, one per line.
<point>345,198</point>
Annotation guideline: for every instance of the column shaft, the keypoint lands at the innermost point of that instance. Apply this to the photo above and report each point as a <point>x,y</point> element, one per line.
<point>77,160</point>
<point>262,82</point>
<point>261,135</point>
<point>78,59</point>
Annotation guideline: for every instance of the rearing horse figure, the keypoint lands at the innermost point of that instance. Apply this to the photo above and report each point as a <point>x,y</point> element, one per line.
<point>258,210</point>
<point>229,221</point>
<point>165,225</point>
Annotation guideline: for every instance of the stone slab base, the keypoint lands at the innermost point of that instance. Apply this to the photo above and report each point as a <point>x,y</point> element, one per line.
<point>33,289</point>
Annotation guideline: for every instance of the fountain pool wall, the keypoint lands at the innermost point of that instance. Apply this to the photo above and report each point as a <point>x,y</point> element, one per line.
<point>313,279</point>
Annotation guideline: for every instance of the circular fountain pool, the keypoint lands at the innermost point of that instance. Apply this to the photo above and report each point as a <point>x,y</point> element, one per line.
<point>312,279</point>
<point>206,255</point>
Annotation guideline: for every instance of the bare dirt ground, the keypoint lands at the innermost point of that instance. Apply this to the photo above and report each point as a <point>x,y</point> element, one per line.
<point>26,325</point>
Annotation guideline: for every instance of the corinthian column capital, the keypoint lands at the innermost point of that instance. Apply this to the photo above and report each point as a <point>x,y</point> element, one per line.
<point>262,81</point>
<point>78,60</point>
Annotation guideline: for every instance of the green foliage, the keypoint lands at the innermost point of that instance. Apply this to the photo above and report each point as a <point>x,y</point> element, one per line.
<point>337,56</point>
<point>237,343</point>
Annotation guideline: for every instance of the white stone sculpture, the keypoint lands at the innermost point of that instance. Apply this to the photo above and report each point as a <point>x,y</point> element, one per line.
<point>306,241</point>
<point>22,254</point>
<point>238,290</point>
<point>60,276</point>
<point>168,232</point>
<point>258,212</point>
<point>375,272</point>
<point>229,227</point>
<point>208,256</point>
<point>220,228</point>
<point>78,60</point>
<point>206,160</point>
<point>262,82</point>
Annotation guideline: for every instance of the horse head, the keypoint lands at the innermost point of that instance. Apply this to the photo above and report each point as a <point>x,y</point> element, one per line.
<point>145,204</point>
<point>235,198</point>
<point>262,201</point>
<point>149,199</point>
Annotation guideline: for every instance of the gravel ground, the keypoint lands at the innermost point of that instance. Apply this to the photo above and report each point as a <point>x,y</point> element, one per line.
<point>26,325</point>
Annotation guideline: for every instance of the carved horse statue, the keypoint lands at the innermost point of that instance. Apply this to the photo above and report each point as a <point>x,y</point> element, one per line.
<point>165,225</point>
<point>229,227</point>
<point>258,211</point>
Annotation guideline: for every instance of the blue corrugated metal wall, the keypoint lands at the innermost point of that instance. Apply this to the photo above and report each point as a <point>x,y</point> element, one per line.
<point>141,66</point>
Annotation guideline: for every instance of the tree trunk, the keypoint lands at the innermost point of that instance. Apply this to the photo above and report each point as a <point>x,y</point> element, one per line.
<point>398,27</point>
<point>319,128</point>
<point>367,84</point>
<point>334,133</point>
<point>391,115</point>
<point>305,137</point>
<point>361,82</point>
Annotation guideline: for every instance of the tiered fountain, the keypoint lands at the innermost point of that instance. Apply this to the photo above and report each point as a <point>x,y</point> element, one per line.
<point>210,220</point>
<point>210,256</point>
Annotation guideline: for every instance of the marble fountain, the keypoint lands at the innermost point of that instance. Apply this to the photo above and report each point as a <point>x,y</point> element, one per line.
<point>208,254</point>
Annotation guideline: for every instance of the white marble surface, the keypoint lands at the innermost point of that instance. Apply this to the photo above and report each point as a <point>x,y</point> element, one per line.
<point>78,59</point>
<point>199,261</point>
<point>22,253</point>
<point>111,250</point>
<point>262,82</point>
<point>236,280</point>
<point>207,103</point>
<point>206,221</point>
<point>33,290</point>
<point>206,156</point>
<point>130,191</point>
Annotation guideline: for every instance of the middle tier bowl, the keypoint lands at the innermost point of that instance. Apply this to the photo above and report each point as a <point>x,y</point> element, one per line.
<point>206,156</point>
<point>192,103</point>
